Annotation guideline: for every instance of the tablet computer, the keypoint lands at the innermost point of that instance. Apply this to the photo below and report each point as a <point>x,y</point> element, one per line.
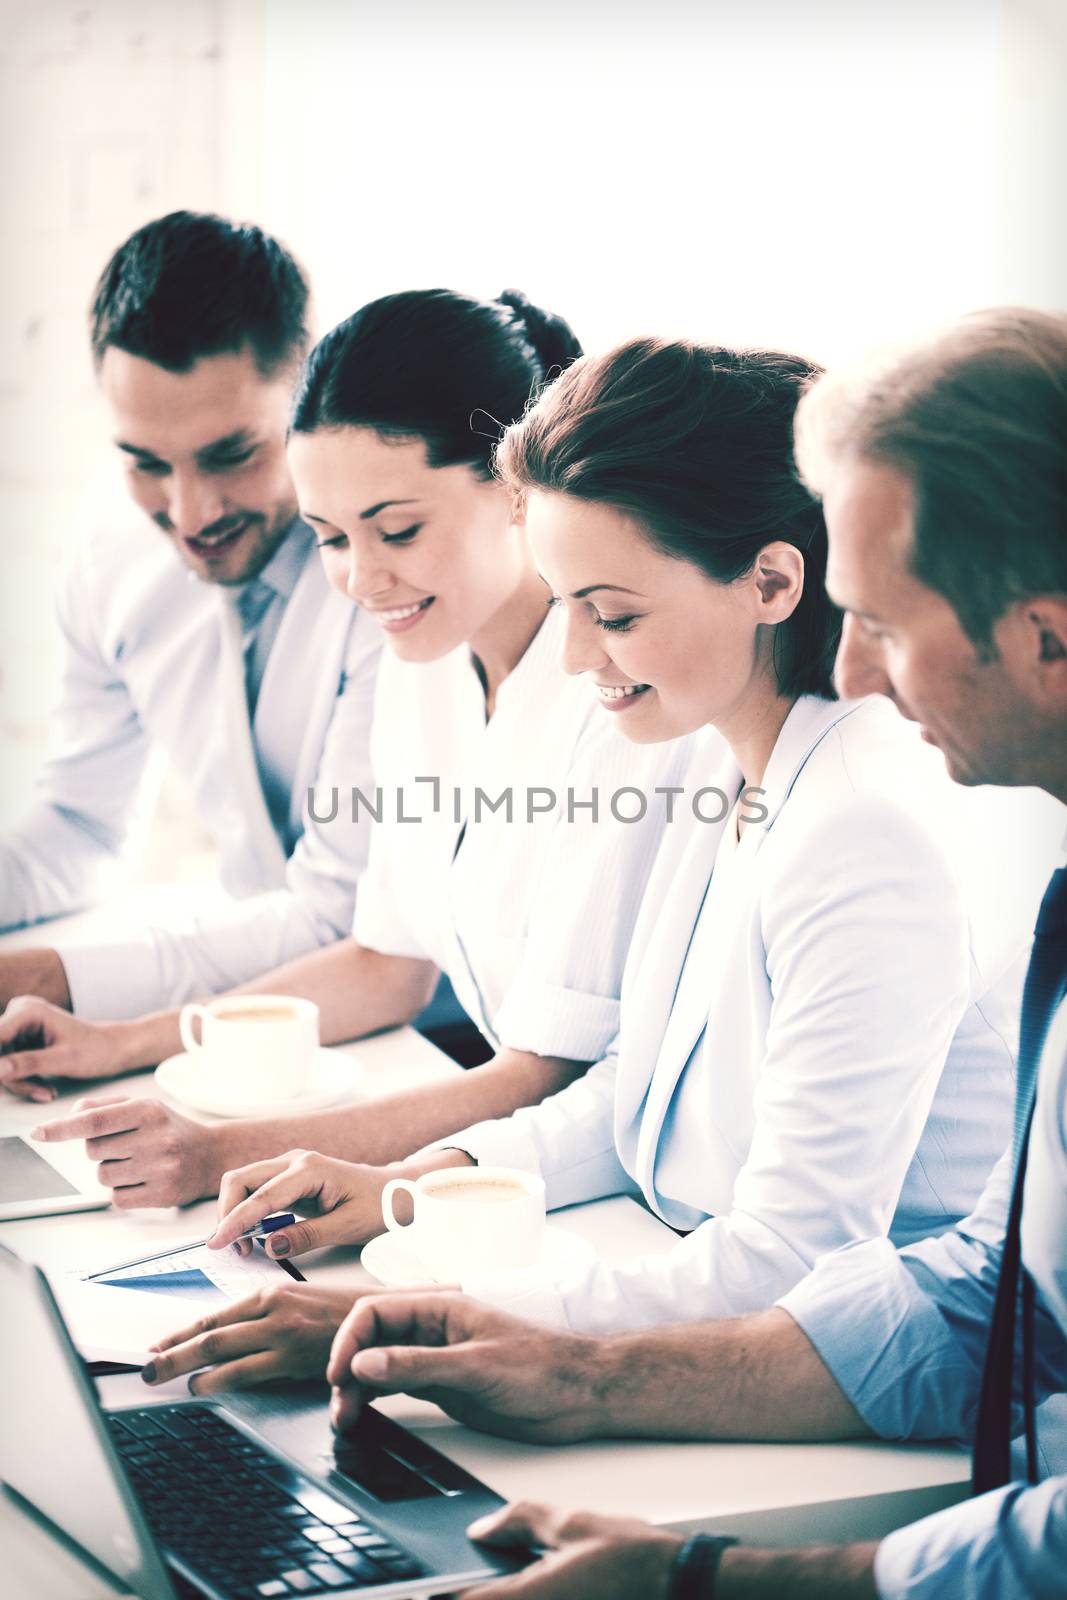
<point>35,1185</point>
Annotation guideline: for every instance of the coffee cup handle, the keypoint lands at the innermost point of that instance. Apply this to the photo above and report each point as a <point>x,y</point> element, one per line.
<point>387,1203</point>
<point>190,1043</point>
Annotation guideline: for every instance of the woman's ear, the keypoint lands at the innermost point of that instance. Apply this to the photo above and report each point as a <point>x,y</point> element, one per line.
<point>518,508</point>
<point>779,580</point>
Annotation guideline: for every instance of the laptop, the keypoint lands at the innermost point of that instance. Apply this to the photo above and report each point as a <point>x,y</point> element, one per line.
<point>189,1500</point>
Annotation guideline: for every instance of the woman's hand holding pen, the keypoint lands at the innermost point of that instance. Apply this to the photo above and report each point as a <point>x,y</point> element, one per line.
<point>341,1201</point>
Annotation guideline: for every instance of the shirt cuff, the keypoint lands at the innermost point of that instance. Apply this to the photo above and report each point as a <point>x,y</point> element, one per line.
<point>504,1143</point>
<point>377,926</point>
<point>108,982</point>
<point>549,1020</point>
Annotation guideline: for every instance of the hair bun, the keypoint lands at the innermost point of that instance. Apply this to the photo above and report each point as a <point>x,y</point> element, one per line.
<point>552,339</point>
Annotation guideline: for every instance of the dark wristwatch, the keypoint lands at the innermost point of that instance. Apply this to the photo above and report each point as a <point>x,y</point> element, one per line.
<point>696,1567</point>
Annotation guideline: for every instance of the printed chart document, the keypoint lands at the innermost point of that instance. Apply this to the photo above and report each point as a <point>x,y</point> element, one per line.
<point>117,1316</point>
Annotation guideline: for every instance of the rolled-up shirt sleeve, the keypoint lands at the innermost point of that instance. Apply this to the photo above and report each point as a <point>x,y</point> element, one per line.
<point>166,965</point>
<point>380,923</point>
<point>904,1332</point>
<point>564,998</point>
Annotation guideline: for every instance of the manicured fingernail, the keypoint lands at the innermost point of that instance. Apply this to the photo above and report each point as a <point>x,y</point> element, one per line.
<point>279,1245</point>
<point>371,1364</point>
<point>148,1373</point>
<point>480,1526</point>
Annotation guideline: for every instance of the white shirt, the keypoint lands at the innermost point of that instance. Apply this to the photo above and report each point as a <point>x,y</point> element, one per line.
<point>529,917</point>
<point>141,641</point>
<point>816,1038</point>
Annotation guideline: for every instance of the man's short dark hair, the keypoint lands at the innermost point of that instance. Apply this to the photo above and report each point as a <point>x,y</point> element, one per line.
<point>191,285</point>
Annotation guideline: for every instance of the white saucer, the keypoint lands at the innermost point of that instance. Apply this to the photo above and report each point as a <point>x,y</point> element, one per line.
<point>335,1076</point>
<point>391,1258</point>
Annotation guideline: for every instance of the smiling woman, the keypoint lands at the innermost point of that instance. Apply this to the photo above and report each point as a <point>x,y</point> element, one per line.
<point>407,398</point>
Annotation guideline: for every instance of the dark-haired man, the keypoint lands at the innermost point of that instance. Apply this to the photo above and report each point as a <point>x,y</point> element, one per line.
<point>214,637</point>
<point>945,491</point>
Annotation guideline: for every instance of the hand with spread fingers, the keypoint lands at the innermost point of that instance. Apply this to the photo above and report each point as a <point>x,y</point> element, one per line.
<point>485,1368</point>
<point>582,1555</point>
<point>274,1334</point>
<point>340,1200</point>
<point>147,1155</point>
<point>40,1042</point>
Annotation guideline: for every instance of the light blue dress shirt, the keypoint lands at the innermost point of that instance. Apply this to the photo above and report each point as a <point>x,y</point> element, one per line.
<point>904,1334</point>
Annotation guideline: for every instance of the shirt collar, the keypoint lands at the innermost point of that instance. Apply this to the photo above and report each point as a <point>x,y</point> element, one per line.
<point>288,561</point>
<point>540,658</point>
<point>282,570</point>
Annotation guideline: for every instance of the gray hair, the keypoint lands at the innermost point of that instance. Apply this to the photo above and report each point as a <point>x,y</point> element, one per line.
<point>976,420</point>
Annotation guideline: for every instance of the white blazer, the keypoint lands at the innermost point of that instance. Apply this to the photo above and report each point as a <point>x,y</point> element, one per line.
<point>141,678</point>
<point>816,1036</point>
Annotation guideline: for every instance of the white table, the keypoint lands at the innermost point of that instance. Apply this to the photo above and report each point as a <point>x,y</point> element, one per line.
<point>777,1494</point>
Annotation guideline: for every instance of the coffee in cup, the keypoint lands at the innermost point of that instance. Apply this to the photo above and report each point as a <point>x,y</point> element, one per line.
<point>472,1221</point>
<point>256,1046</point>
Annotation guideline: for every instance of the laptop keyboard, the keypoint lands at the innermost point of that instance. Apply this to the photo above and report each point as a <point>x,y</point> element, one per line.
<point>241,1519</point>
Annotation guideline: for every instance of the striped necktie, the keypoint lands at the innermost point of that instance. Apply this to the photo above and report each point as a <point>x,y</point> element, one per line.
<point>240,745</point>
<point>1046,985</point>
<point>252,601</point>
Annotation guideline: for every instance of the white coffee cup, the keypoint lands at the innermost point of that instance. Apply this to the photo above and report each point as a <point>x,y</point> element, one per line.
<point>472,1221</point>
<point>257,1046</point>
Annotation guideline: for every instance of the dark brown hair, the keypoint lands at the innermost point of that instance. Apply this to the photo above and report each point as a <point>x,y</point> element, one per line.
<point>696,443</point>
<point>191,285</point>
<point>434,365</point>
<point>976,420</point>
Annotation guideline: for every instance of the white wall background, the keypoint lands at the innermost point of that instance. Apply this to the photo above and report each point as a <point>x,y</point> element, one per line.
<point>819,174</point>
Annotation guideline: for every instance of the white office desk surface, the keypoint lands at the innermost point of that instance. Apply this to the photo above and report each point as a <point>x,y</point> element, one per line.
<point>776,1494</point>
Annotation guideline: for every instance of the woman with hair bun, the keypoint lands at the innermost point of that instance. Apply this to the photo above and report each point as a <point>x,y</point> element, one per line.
<point>480,866</point>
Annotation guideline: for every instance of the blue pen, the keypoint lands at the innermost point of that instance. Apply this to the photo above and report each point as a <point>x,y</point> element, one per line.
<point>262,1230</point>
<point>281,1219</point>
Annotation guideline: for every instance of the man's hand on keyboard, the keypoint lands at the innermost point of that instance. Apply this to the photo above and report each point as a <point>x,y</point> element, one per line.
<point>276,1333</point>
<point>485,1368</point>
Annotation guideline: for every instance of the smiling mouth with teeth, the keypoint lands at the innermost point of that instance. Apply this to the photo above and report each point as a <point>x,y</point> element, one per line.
<point>397,616</point>
<point>211,541</point>
<point>621,691</point>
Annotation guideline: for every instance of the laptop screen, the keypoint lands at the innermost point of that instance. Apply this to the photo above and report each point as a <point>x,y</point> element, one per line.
<point>54,1448</point>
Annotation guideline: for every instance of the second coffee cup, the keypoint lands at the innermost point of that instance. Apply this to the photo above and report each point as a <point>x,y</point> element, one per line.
<point>472,1220</point>
<point>256,1046</point>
